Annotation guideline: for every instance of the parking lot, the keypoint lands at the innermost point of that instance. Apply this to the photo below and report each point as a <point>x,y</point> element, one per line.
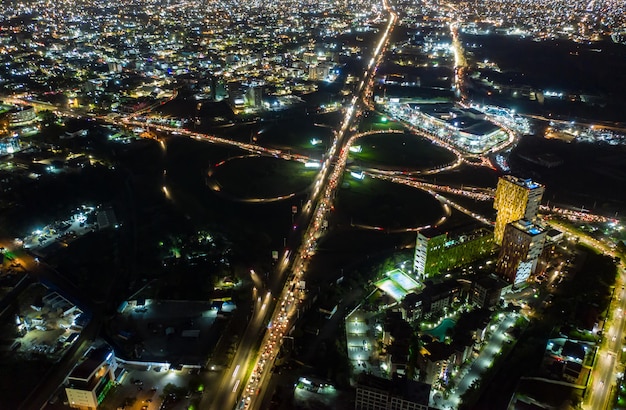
<point>177,332</point>
<point>144,389</point>
<point>58,234</point>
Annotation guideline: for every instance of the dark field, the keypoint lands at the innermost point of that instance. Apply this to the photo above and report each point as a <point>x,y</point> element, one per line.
<point>596,70</point>
<point>400,151</point>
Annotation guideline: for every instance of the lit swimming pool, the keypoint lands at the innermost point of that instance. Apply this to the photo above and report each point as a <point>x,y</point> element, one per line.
<point>440,331</point>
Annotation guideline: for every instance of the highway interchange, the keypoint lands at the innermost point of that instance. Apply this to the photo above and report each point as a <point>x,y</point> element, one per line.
<point>247,392</point>
<point>242,384</point>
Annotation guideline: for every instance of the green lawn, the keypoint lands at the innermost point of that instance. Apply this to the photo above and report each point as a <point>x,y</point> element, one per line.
<point>385,204</point>
<point>400,151</point>
<point>263,177</point>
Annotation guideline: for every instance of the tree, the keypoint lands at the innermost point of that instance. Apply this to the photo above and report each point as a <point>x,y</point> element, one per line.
<point>47,117</point>
<point>195,384</point>
<point>172,389</point>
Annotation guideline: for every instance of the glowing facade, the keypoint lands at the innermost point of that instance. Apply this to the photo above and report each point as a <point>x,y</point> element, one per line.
<point>516,198</point>
<point>437,251</point>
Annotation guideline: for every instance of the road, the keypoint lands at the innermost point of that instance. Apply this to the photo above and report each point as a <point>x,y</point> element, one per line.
<point>480,364</point>
<point>231,380</point>
<point>613,126</point>
<point>319,205</point>
<point>604,374</point>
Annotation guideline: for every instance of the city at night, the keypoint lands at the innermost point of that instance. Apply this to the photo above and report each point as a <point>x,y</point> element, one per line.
<point>295,204</point>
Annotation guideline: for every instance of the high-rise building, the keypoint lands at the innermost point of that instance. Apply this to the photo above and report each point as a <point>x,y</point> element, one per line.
<point>236,95</point>
<point>437,250</point>
<point>522,245</point>
<point>254,96</point>
<point>218,88</point>
<point>516,198</point>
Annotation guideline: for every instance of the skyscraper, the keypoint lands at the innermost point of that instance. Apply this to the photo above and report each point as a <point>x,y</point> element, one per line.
<point>522,245</point>
<point>516,198</point>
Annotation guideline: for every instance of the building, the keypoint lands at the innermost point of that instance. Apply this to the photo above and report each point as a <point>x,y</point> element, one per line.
<point>9,145</point>
<point>16,115</point>
<point>254,96</point>
<point>522,245</point>
<point>329,307</point>
<point>106,218</point>
<point>22,115</point>
<point>432,300</point>
<point>396,339</point>
<point>321,72</point>
<point>89,382</point>
<point>554,236</point>
<point>375,393</point>
<point>564,359</point>
<point>436,360</point>
<point>218,88</point>
<point>114,67</point>
<point>397,357</point>
<point>466,129</point>
<point>515,199</point>
<point>486,291</point>
<point>437,251</point>
<point>236,95</point>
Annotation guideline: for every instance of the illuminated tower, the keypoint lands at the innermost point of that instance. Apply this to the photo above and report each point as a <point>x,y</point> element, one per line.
<point>516,199</point>
<point>521,248</point>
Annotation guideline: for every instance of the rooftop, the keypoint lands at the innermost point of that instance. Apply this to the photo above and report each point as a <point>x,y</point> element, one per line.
<point>529,227</point>
<point>92,362</point>
<point>410,390</point>
<point>525,183</point>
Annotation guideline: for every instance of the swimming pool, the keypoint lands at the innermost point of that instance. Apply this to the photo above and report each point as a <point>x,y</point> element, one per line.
<point>440,331</point>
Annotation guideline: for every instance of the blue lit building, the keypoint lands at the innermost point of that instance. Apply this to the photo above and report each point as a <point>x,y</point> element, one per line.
<point>9,145</point>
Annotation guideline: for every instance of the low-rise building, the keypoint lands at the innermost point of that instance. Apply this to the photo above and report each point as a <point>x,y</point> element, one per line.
<point>436,360</point>
<point>21,115</point>
<point>432,300</point>
<point>486,291</point>
<point>399,393</point>
<point>89,382</point>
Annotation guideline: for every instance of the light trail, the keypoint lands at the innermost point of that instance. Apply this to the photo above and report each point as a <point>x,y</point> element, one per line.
<point>323,196</point>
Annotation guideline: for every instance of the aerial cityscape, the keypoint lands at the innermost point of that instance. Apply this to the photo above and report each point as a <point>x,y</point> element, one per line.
<point>369,205</point>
